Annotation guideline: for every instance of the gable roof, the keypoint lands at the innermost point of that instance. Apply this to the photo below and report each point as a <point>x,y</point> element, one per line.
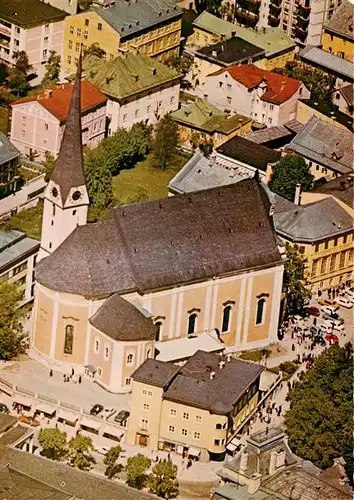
<point>57,100</point>
<point>160,243</point>
<point>348,93</point>
<point>341,188</point>
<point>29,13</point>
<point>279,88</point>
<point>204,116</point>
<point>328,62</point>
<point>273,40</point>
<point>8,151</point>
<point>248,152</point>
<point>233,50</point>
<point>127,74</point>
<point>121,320</point>
<point>342,21</point>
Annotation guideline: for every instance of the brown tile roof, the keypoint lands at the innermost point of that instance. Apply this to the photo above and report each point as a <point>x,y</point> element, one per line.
<point>248,152</point>
<point>155,372</point>
<point>342,21</point>
<point>160,243</point>
<point>121,320</point>
<point>348,93</point>
<point>30,13</point>
<point>279,87</point>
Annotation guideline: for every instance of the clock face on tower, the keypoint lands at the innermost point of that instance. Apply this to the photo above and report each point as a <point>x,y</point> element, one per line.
<point>77,195</point>
<point>54,192</point>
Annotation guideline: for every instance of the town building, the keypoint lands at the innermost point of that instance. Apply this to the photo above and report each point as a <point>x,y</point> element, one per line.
<point>266,97</point>
<point>192,409</point>
<point>328,63</point>
<point>34,27</point>
<point>38,121</point>
<point>18,255</point>
<point>328,150</point>
<point>275,137</point>
<point>9,163</point>
<point>154,29</point>
<point>338,35</point>
<point>340,189</point>
<point>138,88</point>
<point>69,6</point>
<point>306,108</point>
<point>344,99</point>
<point>247,13</point>
<point>202,122</point>
<point>303,21</point>
<point>209,29</point>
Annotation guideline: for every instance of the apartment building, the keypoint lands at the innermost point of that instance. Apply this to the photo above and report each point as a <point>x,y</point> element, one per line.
<point>9,162</point>
<point>31,26</point>
<point>154,29</point>
<point>138,88</point>
<point>193,409</point>
<point>338,36</point>
<point>69,6</point>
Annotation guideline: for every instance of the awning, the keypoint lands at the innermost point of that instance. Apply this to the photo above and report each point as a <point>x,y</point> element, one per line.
<point>194,452</point>
<point>23,400</point>
<point>46,408</point>
<point>92,424</point>
<point>113,431</point>
<point>68,416</point>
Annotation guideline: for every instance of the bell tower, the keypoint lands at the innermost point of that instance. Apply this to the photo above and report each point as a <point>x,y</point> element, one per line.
<point>65,198</point>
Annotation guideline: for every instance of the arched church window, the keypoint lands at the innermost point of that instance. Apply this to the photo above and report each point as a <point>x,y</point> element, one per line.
<point>158,330</point>
<point>69,339</point>
<point>226,319</point>
<point>260,311</point>
<point>192,321</point>
<point>130,359</point>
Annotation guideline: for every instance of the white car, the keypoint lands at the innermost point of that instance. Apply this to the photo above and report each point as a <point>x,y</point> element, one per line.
<point>328,309</point>
<point>342,301</point>
<point>102,450</point>
<point>334,325</point>
<point>108,412</point>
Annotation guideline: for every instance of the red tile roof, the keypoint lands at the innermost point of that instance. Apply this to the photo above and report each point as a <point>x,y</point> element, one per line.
<point>57,100</point>
<point>279,87</point>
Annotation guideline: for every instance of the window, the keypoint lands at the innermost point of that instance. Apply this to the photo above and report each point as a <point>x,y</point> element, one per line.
<point>158,330</point>
<point>148,109</point>
<point>171,428</point>
<point>197,435</point>
<point>23,133</point>
<point>97,345</point>
<point>99,26</point>
<point>136,113</point>
<point>50,244</point>
<point>77,47</point>
<point>85,34</point>
<point>87,22</point>
<point>71,29</point>
<point>332,264</point>
<point>173,412</point>
<point>69,59</point>
<point>271,107</point>
<point>260,311</point>
<point>326,245</point>
<point>70,44</point>
<point>345,237</point>
<point>317,246</point>
<point>18,30</point>
<point>99,371</point>
<point>46,126</point>
<point>269,121</point>
<point>218,426</point>
<point>192,321</point>
<point>198,419</point>
<point>45,53</point>
<point>78,31</point>
<point>106,352</point>
<point>172,99</point>
<point>146,407</point>
<point>69,339</point>
<point>46,26</point>
<point>337,96</point>
<point>324,265</point>
<point>229,87</point>
<point>125,118</point>
<point>225,327</point>
<point>130,359</point>
<point>128,381</point>
<point>184,432</point>
<point>342,260</point>
<point>216,442</point>
<point>314,268</point>
<point>17,42</point>
<point>221,84</point>
<point>228,100</point>
<point>74,212</point>
<point>45,39</point>
<point>185,416</point>
<point>53,210</point>
<point>144,424</point>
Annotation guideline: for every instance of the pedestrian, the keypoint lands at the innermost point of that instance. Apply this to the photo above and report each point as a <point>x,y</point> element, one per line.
<point>289,385</point>
<point>168,456</point>
<point>51,373</point>
<point>64,376</point>
<point>72,372</point>
<point>79,379</point>
<point>293,347</point>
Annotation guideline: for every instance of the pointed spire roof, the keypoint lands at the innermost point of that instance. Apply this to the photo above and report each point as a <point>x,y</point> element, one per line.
<point>69,166</point>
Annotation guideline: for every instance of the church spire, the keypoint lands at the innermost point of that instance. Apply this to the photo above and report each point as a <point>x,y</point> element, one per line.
<point>68,172</point>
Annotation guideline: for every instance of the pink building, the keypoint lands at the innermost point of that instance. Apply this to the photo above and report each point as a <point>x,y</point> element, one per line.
<point>38,122</point>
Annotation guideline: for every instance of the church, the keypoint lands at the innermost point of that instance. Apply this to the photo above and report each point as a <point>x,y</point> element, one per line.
<point>164,273</point>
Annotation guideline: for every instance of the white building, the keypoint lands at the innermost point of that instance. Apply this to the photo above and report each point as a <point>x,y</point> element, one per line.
<point>267,97</point>
<point>138,88</point>
<point>69,6</point>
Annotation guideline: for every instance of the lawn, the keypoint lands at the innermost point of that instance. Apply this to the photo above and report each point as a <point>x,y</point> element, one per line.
<point>28,221</point>
<point>4,115</point>
<point>144,181</point>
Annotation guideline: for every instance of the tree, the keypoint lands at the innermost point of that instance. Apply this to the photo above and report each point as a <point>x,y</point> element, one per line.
<point>3,72</point>
<point>136,471</point>
<point>22,62</point>
<point>319,422</point>
<point>297,294</point>
<point>84,4</point>
<point>53,442</point>
<point>288,172</point>
<point>79,452</point>
<point>163,480</point>
<point>212,6</point>
<point>110,461</point>
<point>17,81</point>
<point>98,179</point>
<point>182,63</point>
<point>165,141</point>
<point>94,50</point>
<point>48,164</point>
<point>52,69</point>
<point>141,137</point>
<point>13,341</point>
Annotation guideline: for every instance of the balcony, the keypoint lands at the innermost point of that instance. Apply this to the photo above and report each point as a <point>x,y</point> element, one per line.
<point>304,13</point>
<point>273,21</point>
<point>276,3</point>
<point>274,10</point>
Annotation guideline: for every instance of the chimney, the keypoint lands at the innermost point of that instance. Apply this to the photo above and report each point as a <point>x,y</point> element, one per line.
<point>297,194</point>
<point>273,463</point>
<point>254,483</point>
<point>243,462</point>
<point>212,375</point>
<point>280,459</point>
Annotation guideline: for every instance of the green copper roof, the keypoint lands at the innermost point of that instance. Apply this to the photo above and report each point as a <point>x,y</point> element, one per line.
<point>127,75</point>
<point>204,116</point>
<point>272,40</point>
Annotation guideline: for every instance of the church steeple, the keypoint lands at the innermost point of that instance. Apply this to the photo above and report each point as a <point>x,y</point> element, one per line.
<point>65,199</point>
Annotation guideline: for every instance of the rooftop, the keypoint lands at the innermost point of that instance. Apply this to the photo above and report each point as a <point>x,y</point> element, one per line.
<point>8,151</point>
<point>324,143</point>
<point>130,251</point>
<point>6,422</point>
<point>248,152</point>
<point>13,246</point>
<point>342,21</point>
<point>328,62</point>
<point>348,93</point>
<point>272,40</point>
<point>271,136</point>
<point>184,347</point>
<point>29,13</point>
<point>127,74</point>
<point>201,382</point>
<point>331,112</point>
<point>57,100</point>
<point>129,18</point>
<point>233,50</point>
<point>341,188</point>
<point>279,88</point>
<point>208,118</point>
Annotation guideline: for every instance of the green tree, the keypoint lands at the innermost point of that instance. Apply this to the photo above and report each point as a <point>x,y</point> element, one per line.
<point>110,461</point>
<point>182,63</point>
<point>294,287</point>
<point>320,419</point>
<point>52,70</point>
<point>48,164</point>
<point>22,62</point>
<point>94,50</point>
<point>13,340</point>
<point>141,137</point>
<point>53,442</point>
<point>98,179</point>
<point>136,471</point>
<point>165,141</point>
<point>79,452</point>
<point>3,72</point>
<point>163,480</point>
<point>288,172</point>
<point>17,81</point>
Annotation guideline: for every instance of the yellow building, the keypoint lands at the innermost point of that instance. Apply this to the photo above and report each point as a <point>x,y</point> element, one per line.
<point>123,26</point>
<point>338,36</point>
<point>193,409</point>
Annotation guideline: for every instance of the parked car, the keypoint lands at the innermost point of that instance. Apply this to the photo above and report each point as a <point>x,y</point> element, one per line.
<point>313,311</point>
<point>326,302</point>
<point>349,293</point>
<point>29,421</point>
<point>102,450</point>
<point>122,417</point>
<point>342,301</point>
<point>4,408</point>
<point>334,318</point>
<point>318,339</point>
<point>108,412</point>
<point>330,337</point>
<point>329,309</point>
<point>96,409</point>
